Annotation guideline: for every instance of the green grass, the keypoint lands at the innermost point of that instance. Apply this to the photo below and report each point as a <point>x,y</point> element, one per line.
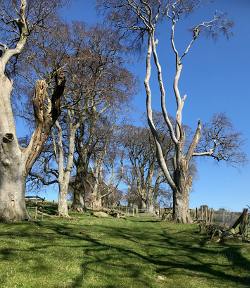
<point>132,252</point>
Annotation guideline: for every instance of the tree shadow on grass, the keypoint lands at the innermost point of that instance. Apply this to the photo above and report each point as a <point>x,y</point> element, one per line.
<point>174,251</point>
<point>207,266</point>
<point>189,260</point>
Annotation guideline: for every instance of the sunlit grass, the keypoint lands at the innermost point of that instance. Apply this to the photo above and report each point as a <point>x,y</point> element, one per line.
<point>131,252</point>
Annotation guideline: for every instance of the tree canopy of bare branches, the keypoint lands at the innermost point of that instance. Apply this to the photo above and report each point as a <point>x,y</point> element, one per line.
<point>140,19</point>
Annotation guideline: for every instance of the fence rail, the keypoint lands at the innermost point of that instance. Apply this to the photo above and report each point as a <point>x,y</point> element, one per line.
<point>136,212</point>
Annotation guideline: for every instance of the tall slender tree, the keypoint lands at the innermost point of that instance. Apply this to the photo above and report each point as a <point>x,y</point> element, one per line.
<point>139,20</point>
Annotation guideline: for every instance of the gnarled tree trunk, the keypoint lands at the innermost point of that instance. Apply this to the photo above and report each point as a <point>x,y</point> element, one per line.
<point>181,206</point>
<point>78,202</point>
<point>16,161</point>
<point>12,180</point>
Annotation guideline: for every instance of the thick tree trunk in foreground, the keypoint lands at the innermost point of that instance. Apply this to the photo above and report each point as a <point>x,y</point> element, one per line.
<point>12,160</point>
<point>12,181</point>
<point>16,161</point>
<point>181,207</point>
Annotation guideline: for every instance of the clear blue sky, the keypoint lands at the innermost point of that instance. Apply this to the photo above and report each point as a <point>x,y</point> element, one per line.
<point>215,77</point>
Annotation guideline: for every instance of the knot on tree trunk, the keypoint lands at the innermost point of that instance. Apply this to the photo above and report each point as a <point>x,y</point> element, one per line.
<point>8,137</point>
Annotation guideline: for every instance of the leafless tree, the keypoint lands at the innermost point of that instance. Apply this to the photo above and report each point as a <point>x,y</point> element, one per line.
<point>17,161</point>
<point>97,82</point>
<point>145,17</point>
<point>139,144</point>
<point>110,87</point>
<point>103,162</point>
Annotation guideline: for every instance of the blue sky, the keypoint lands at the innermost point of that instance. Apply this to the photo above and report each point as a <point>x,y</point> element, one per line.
<point>215,77</point>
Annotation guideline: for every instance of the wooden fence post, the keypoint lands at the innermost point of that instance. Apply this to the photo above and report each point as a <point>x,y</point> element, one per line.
<point>36,210</point>
<point>42,206</point>
<point>210,215</point>
<point>243,223</point>
<point>201,213</point>
<point>136,211</point>
<point>196,213</point>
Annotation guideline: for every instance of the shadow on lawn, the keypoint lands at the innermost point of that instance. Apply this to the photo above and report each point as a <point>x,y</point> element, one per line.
<point>170,266</point>
<point>209,267</point>
<point>100,257</point>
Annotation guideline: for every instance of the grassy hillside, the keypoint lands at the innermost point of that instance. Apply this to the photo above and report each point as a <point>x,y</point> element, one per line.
<point>111,252</point>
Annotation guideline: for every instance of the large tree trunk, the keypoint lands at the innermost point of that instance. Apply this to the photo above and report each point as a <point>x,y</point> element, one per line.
<point>97,202</point>
<point>150,206</point>
<point>143,204</point>
<point>63,200</point>
<point>12,161</point>
<point>15,161</point>
<point>79,195</point>
<point>96,199</point>
<point>181,208</point>
<point>181,202</point>
<point>78,201</point>
<point>12,181</point>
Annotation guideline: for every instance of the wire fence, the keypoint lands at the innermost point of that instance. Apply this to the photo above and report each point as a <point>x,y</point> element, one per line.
<point>226,217</point>
<point>136,212</point>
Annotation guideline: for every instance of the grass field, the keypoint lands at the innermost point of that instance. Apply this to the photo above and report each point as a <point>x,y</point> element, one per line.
<point>111,252</point>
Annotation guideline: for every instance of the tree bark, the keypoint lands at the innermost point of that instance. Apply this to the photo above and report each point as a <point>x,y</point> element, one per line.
<point>63,200</point>
<point>78,196</point>
<point>16,161</point>
<point>64,174</point>
<point>181,201</point>
<point>12,181</point>
<point>97,201</point>
<point>78,202</point>
<point>143,204</point>
<point>150,206</point>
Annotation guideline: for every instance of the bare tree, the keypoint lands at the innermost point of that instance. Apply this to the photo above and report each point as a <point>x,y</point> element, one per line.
<point>141,153</point>
<point>139,144</point>
<point>145,16</point>
<point>108,85</point>
<point>91,59</point>
<point>220,141</point>
<point>56,49</point>
<point>104,157</point>
<point>129,178</point>
<point>16,161</point>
